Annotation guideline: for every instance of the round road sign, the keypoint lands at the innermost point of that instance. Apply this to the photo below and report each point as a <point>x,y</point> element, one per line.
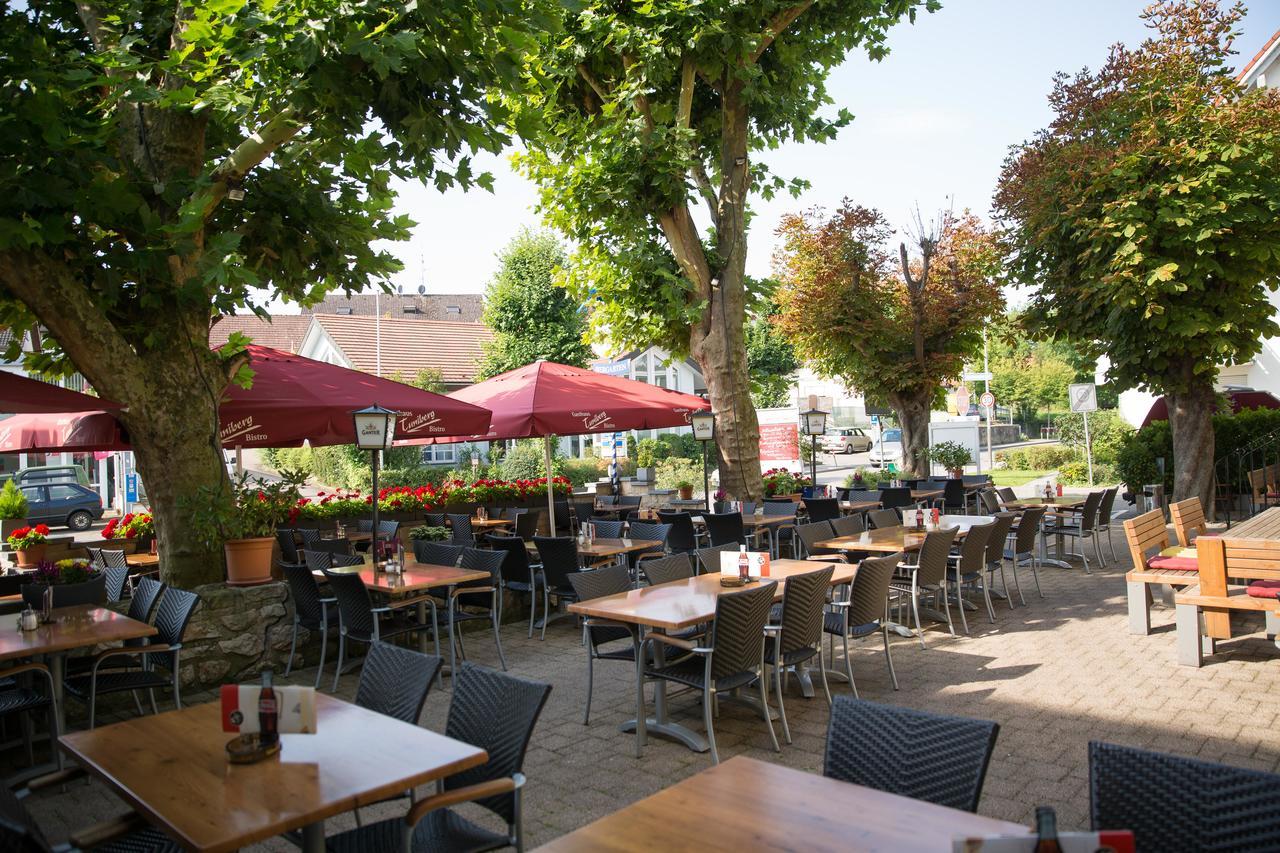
<point>988,400</point>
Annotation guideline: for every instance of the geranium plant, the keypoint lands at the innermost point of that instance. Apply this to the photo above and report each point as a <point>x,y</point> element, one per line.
<point>780,481</point>
<point>130,526</point>
<point>25,537</point>
<point>252,510</point>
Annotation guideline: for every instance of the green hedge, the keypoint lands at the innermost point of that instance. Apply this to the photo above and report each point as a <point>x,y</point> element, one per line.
<point>1136,458</point>
<point>1039,457</point>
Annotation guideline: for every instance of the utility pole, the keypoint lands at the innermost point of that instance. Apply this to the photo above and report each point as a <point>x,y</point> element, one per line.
<point>991,413</point>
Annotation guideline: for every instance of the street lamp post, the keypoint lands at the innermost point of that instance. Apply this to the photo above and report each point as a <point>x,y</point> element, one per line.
<point>815,424</point>
<point>704,430</point>
<point>375,430</point>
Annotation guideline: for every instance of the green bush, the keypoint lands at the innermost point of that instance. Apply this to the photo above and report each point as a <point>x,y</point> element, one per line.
<point>583,471</point>
<point>13,503</point>
<point>651,451</point>
<point>1038,457</point>
<point>1107,433</point>
<point>871,478</point>
<point>1136,461</point>
<point>1076,473</point>
<point>670,473</point>
<point>524,461</point>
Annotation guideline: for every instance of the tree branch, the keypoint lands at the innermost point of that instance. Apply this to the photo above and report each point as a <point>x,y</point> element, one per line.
<point>640,100</point>
<point>703,182</point>
<point>250,153</point>
<point>592,82</point>
<point>93,25</point>
<point>780,22</point>
<point>684,110</point>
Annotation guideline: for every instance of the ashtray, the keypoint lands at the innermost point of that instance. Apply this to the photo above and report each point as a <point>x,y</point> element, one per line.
<point>248,749</point>
<point>734,580</point>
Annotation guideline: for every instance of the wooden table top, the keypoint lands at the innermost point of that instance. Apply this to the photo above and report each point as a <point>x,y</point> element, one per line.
<point>141,561</point>
<point>416,577</point>
<point>746,804</point>
<point>758,520</point>
<point>599,547</point>
<point>75,627</point>
<point>683,603</point>
<point>490,523</point>
<point>858,506</point>
<point>1264,525</point>
<point>1064,501</point>
<point>926,494</point>
<point>890,540</point>
<point>172,768</point>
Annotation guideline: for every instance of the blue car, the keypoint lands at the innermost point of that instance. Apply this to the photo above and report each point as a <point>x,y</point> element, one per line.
<point>67,504</point>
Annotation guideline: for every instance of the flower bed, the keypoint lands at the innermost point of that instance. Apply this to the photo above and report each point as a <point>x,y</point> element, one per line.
<point>425,498</point>
<point>780,481</point>
<point>133,525</point>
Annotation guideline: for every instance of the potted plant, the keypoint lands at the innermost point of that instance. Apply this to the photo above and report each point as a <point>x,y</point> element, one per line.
<point>686,490</point>
<point>245,522</point>
<point>30,544</point>
<point>136,527</point>
<point>952,456</point>
<point>13,508</point>
<point>74,581</point>
<point>427,533</point>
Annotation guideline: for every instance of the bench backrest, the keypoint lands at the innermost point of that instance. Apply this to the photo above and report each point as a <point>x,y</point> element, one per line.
<point>1188,520</point>
<point>1260,478</point>
<point>1247,559</point>
<point>1145,533</point>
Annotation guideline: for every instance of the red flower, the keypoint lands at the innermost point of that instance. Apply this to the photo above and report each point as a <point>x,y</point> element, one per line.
<point>42,530</point>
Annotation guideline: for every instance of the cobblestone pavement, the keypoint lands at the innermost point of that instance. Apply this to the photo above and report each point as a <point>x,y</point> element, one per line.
<point>1055,675</point>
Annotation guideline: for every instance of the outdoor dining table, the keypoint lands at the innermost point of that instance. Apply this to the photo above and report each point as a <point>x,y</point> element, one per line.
<point>682,604</point>
<point>1066,502</point>
<point>142,561</point>
<point>890,540</point>
<point>172,769</point>
<point>855,507</point>
<point>600,549</point>
<point>747,804</point>
<point>76,627</point>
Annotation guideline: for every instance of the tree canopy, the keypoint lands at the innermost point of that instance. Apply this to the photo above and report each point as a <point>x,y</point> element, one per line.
<point>771,360</point>
<point>532,317</point>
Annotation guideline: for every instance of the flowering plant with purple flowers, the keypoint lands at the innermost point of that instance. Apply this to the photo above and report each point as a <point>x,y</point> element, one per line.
<point>65,572</point>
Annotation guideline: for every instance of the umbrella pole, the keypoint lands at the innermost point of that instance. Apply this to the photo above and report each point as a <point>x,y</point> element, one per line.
<point>239,460</point>
<point>551,498</point>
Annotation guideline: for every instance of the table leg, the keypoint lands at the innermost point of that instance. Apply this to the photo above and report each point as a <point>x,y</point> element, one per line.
<point>658,724</point>
<point>1044,553</point>
<point>422,620</point>
<point>1189,645</point>
<point>59,699</point>
<point>313,837</point>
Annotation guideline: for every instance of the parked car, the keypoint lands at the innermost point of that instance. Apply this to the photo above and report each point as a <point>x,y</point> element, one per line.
<point>52,474</point>
<point>887,449</point>
<point>67,504</point>
<point>848,440</point>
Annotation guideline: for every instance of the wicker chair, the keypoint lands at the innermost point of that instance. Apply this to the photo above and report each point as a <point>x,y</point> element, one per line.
<point>361,622</point>
<point>479,594</point>
<point>603,528</point>
<point>496,712</point>
<point>1024,546</point>
<point>848,525</point>
<point>683,537</point>
<point>798,635</point>
<point>822,509</point>
<point>127,833</point>
<point>434,519</point>
<point>518,574</point>
<point>288,547</point>
<point>677,567</point>
<point>582,511</point>
<point>911,753</point>
<point>463,535</point>
<point>784,533</point>
<point>969,568</point>
<point>310,608</point>
<point>598,635</point>
<point>709,558</point>
<point>813,533</point>
<point>113,559</point>
<point>894,497</point>
<point>731,657</point>
<point>725,528</point>
<point>927,576</point>
<point>436,553</point>
<point>863,613</point>
<point>990,503</point>
<point>19,696</point>
<point>311,537</point>
<point>559,557</point>
<point>1105,507</point>
<point>954,497</point>
<point>1006,495</point>
<point>395,681</point>
<point>1082,526</point>
<point>172,617</point>
<point>1218,807</point>
<point>527,523</point>
<point>116,577</point>
<point>882,518</point>
<point>997,540</point>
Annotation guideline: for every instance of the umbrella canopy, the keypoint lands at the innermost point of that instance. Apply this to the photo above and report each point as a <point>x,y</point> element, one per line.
<point>293,399</point>
<point>20,394</point>
<point>1240,400</point>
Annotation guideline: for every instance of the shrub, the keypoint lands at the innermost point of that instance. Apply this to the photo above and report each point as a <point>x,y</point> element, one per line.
<point>1038,457</point>
<point>1076,473</point>
<point>524,461</point>
<point>670,473</point>
<point>950,455</point>
<point>1107,433</point>
<point>13,503</point>
<point>426,533</point>
<point>582,471</point>
<point>650,451</point>
<point>870,477</point>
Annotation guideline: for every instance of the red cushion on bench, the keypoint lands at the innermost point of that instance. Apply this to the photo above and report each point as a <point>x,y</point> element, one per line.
<point>1183,564</point>
<point>1264,589</point>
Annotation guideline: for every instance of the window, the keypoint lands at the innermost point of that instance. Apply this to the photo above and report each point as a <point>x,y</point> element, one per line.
<point>440,454</point>
<point>32,493</point>
<point>343,309</point>
<point>452,311</point>
<point>60,493</point>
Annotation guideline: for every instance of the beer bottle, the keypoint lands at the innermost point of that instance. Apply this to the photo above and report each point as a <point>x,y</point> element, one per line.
<point>268,712</point>
<point>1047,831</point>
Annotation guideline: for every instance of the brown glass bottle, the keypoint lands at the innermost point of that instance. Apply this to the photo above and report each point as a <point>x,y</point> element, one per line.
<point>268,712</point>
<point>1047,831</point>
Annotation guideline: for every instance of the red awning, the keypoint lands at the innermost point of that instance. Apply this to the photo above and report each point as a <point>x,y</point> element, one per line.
<point>20,394</point>
<point>1240,400</point>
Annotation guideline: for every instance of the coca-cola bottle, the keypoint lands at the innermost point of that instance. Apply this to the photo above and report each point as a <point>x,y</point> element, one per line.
<point>268,712</point>
<point>744,564</point>
<point>919,518</point>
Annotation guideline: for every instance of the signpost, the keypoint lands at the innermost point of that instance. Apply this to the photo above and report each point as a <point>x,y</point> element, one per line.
<point>1084,399</point>
<point>988,401</point>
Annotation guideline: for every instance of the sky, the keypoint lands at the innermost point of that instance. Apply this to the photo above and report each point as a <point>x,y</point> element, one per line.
<point>933,122</point>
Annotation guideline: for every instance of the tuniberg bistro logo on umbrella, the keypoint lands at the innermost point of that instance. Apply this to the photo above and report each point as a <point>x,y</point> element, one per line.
<point>242,431</point>
<point>427,422</point>
<point>594,421</point>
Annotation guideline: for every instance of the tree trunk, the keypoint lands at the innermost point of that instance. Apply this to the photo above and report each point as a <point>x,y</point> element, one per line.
<point>913,409</point>
<point>1191,421</point>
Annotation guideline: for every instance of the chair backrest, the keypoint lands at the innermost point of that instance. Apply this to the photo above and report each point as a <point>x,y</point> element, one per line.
<point>515,568</point>
<point>650,530</point>
<point>932,557</point>
<point>773,509</point>
<point>709,558</point>
<point>848,525</point>
<point>388,529</point>
<point>462,533</point>
<point>364,525</point>
<point>1144,534</point>
<point>329,546</point>
<point>346,560</point>
<point>804,597</point>
<point>583,510</point>
<point>990,502</point>
<point>95,556</point>
<point>496,712</point>
<point>305,592</point>
<point>869,592</point>
<point>973,549</point>
<point>666,569</point>
<point>114,559</point>
<point>527,523</point>
<point>738,630</point>
<point>1089,512</point>
<point>912,753</point>
<point>895,497</point>
<point>1006,494</point>
<point>355,610</point>
<point>145,595</point>
<point>1188,520</point>
<point>605,528</point>
<point>116,577</point>
<point>629,500</point>
<point>813,533</point>
<point>173,614</point>
<point>19,832</point>
<point>1106,505</point>
<point>881,518</point>
<point>823,509</point>
<point>998,537</point>
<point>725,528</point>
<point>559,558</point>
<point>861,495</point>
<point>1219,807</point>
<point>288,547</point>
<point>953,494</point>
<point>310,536</point>
<point>1028,528</point>
<point>434,519</point>
<point>564,523</point>
<point>437,553</point>
<point>394,681</point>
<point>975,479</point>
<point>318,561</point>
<point>682,536</point>
<point>598,583</point>
<point>484,560</point>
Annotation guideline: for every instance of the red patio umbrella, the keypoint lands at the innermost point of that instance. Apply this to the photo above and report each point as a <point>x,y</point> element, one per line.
<point>545,398</point>
<point>1241,399</point>
<point>74,432</point>
<point>20,394</point>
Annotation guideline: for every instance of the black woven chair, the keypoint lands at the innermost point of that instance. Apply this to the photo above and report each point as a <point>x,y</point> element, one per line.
<point>491,710</point>
<point>954,497</point>
<point>600,636</point>
<point>990,503</point>
<point>676,567</point>
<point>434,519</point>
<point>337,547</point>
<point>311,608</point>
<point>860,495</point>
<point>1081,525</point>
<point>481,597</point>
<point>1006,494</point>
<point>882,518</point>
<point>172,617</point>
<point>582,511</point>
<point>603,528</point>
<point>141,603</point>
<point>463,535</point>
<point>731,656</point>
<point>911,753</point>
<point>863,613</point>
<point>559,557</point>
<point>848,525</point>
<point>928,576</point>
<point>360,621</point>
<point>116,577</point>
<point>709,558</point>
<point>127,833</point>
<point>311,537</point>
<point>813,533</point>
<point>19,696</point>
<point>652,531</point>
<point>395,681</point>
<point>892,497</point>
<point>113,559</point>
<point>288,547</point>
<point>527,524</point>
<point>725,528</point>
<point>785,532</point>
<point>797,637</point>
<point>683,537</point>
<point>823,509</point>
<point>436,553</point>
<point>518,573</point>
<point>1218,807</point>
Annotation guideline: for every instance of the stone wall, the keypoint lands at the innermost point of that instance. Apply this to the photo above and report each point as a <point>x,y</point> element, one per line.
<point>237,631</point>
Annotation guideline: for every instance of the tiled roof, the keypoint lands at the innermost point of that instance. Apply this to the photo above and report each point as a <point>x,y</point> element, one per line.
<point>1244,72</point>
<point>448,307</point>
<point>408,346</point>
<point>285,331</point>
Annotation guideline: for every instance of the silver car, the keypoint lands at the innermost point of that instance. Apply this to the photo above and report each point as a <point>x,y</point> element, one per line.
<point>848,440</point>
<point>887,449</point>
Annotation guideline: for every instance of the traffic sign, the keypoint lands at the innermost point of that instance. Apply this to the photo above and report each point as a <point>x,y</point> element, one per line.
<point>988,400</point>
<point>131,488</point>
<point>962,400</point>
<point>875,420</point>
<point>982,376</point>
<point>1083,397</point>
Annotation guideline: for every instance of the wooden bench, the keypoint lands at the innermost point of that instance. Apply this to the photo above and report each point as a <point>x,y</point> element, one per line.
<point>1193,641</point>
<point>1265,482</point>
<point>1189,521</point>
<point>1148,539</point>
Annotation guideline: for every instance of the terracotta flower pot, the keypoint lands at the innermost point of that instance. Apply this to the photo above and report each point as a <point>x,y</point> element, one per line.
<point>33,556</point>
<point>686,493</point>
<point>249,561</point>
